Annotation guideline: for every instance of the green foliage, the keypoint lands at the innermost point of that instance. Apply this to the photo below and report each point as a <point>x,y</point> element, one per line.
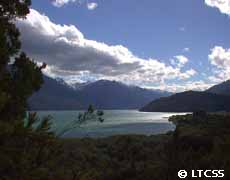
<point>14,8</point>
<point>19,76</point>
<point>195,144</point>
<point>9,34</point>
<point>90,114</point>
<point>38,125</point>
<point>25,151</point>
<point>29,150</point>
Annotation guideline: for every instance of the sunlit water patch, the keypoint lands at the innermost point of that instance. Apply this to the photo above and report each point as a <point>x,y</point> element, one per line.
<point>116,122</point>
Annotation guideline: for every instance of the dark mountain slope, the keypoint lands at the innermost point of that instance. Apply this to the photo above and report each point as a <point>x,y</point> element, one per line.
<point>115,95</point>
<point>54,95</point>
<point>103,94</point>
<point>223,88</point>
<point>189,101</point>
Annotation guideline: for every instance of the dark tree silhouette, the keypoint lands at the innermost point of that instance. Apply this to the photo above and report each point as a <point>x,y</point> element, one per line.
<point>20,77</point>
<point>24,150</point>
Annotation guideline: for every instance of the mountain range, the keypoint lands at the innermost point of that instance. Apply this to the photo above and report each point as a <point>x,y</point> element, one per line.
<point>55,94</point>
<point>216,98</point>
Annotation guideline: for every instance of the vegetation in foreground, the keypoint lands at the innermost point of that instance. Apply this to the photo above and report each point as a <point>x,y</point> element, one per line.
<point>200,141</point>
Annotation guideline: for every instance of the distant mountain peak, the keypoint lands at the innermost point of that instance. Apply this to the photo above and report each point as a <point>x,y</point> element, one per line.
<point>105,81</point>
<point>103,94</point>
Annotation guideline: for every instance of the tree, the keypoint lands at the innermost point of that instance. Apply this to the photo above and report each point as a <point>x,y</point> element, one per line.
<point>24,150</point>
<point>28,148</point>
<point>20,77</point>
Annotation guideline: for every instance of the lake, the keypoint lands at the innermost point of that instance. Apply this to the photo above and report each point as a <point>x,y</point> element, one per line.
<point>117,122</point>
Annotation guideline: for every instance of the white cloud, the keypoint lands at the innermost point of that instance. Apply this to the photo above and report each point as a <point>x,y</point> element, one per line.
<point>179,61</point>
<point>214,79</point>
<point>89,5</point>
<point>92,5</point>
<point>222,5</point>
<point>189,73</point>
<point>220,59</point>
<point>182,60</point>
<point>186,49</point>
<point>67,52</point>
<point>186,86</point>
<point>60,3</point>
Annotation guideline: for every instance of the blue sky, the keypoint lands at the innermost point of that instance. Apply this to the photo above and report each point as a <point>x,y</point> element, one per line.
<point>172,45</point>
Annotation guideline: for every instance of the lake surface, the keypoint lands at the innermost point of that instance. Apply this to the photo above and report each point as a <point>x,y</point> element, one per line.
<point>117,122</point>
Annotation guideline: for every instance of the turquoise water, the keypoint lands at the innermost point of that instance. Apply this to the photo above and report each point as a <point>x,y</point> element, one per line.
<point>116,122</point>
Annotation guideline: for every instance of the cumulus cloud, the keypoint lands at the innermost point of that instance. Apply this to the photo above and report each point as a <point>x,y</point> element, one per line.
<point>179,61</point>
<point>222,5</point>
<point>92,6</point>
<point>67,52</point>
<point>189,85</point>
<point>220,59</point>
<point>89,5</point>
<point>60,3</point>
